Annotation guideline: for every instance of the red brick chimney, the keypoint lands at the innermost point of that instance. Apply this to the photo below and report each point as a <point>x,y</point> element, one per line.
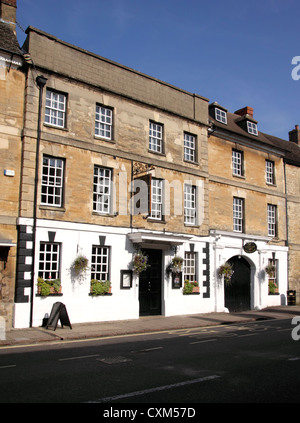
<point>245,111</point>
<point>294,135</point>
<point>8,9</point>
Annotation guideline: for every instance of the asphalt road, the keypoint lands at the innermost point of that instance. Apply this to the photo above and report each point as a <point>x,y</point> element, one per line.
<point>239,363</point>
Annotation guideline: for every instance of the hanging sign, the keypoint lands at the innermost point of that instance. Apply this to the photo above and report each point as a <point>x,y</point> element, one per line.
<point>250,247</point>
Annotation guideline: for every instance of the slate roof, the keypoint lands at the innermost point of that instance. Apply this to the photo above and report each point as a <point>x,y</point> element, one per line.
<point>8,39</point>
<point>290,150</point>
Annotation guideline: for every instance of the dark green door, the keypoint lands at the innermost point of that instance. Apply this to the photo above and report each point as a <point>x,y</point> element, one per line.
<point>237,293</point>
<point>150,285</point>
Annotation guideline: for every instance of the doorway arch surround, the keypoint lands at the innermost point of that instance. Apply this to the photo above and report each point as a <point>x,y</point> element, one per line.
<point>239,293</point>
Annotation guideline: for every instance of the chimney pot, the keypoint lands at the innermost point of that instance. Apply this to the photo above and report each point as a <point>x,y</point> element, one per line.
<point>245,111</point>
<point>294,135</point>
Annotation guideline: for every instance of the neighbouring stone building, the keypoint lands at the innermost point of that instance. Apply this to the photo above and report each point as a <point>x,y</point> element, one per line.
<point>122,166</point>
<point>12,86</point>
<point>250,175</point>
<point>117,165</point>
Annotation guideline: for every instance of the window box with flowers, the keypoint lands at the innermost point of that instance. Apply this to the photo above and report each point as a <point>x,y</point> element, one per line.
<point>100,288</point>
<point>190,287</point>
<point>48,287</point>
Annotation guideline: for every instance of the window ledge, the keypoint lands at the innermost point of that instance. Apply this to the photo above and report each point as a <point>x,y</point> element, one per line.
<point>150,219</point>
<point>98,138</point>
<point>94,213</point>
<point>157,153</point>
<point>52,208</point>
<point>193,162</point>
<point>60,128</point>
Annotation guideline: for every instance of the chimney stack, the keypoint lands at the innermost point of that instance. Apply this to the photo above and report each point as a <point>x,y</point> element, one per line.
<point>245,111</point>
<point>294,135</point>
<point>8,11</point>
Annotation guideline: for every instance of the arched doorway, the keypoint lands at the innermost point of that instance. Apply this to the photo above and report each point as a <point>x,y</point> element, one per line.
<point>237,292</point>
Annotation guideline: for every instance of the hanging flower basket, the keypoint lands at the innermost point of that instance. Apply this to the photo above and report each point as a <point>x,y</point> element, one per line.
<point>176,265</point>
<point>226,271</point>
<point>270,270</point>
<point>80,264</point>
<point>140,262</point>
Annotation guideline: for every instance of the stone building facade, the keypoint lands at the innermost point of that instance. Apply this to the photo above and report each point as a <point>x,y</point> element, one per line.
<point>12,86</point>
<point>122,167</point>
<point>115,165</point>
<point>253,198</point>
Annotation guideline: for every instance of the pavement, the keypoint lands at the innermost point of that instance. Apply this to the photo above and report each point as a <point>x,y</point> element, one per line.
<point>149,324</point>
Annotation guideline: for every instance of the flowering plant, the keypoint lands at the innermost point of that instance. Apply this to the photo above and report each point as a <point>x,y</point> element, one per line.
<point>270,270</point>
<point>226,270</point>
<point>80,264</point>
<point>140,262</point>
<point>176,264</point>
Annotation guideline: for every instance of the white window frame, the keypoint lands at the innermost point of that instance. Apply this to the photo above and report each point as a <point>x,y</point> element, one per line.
<point>52,182</point>
<point>49,260</point>
<point>100,263</point>
<point>104,122</point>
<point>252,128</point>
<point>190,204</point>
<point>221,116</point>
<point>272,220</point>
<point>102,190</point>
<point>155,137</point>
<point>156,199</point>
<point>238,214</point>
<point>237,163</point>
<point>189,147</point>
<point>190,266</point>
<point>270,174</point>
<point>55,109</point>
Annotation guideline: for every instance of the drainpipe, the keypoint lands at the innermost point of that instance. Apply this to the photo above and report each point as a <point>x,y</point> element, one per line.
<point>41,82</point>
<point>287,222</point>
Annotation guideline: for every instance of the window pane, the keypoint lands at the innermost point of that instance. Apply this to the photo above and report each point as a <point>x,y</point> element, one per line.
<point>102,190</point>
<point>49,261</point>
<point>238,205</point>
<point>99,263</point>
<point>189,147</point>
<point>272,212</point>
<point>156,199</point>
<point>190,204</point>
<point>155,137</point>
<point>190,266</point>
<point>221,116</point>
<point>55,110</point>
<point>103,122</point>
<point>237,162</point>
<point>270,172</point>
<point>52,182</point>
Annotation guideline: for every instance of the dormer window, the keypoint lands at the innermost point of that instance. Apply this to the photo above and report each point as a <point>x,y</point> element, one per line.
<point>217,112</point>
<point>252,128</point>
<point>221,115</point>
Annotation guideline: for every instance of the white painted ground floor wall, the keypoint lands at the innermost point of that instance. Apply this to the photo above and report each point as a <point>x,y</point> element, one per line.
<point>123,304</point>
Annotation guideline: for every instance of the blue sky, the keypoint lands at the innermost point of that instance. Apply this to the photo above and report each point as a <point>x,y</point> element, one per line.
<point>233,52</point>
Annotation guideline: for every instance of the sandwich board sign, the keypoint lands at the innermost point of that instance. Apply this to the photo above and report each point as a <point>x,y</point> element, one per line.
<point>58,312</point>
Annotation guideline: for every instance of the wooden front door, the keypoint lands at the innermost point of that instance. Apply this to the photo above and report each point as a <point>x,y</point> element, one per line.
<point>150,285</point>
<point>237,292</point>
